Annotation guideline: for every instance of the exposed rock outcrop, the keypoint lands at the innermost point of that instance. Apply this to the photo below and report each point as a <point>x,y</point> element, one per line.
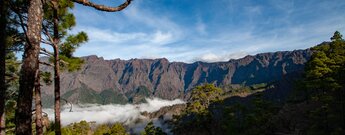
<point>99,78</point>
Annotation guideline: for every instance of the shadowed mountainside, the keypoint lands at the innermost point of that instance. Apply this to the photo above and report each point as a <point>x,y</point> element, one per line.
<point>119,81</point>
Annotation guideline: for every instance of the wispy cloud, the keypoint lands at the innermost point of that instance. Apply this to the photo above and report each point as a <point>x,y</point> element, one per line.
<point>215,57</point>
<point>112,45</point>
<point>182,32</point>
<point>201,27</point>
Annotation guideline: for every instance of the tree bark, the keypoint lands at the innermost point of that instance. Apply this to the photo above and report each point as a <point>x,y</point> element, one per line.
<point>103,7</point>
<point>3,23</point>
<point>56,69</point>
<point>57,91</point>
<point>38,105</point>
<point>29,68</point>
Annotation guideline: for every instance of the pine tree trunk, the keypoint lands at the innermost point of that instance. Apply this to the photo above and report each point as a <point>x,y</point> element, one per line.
<point>56,70</point>
<point>29,67</point>
<point>3,23</point>
<point>38,106</point>
<point>57,91</point>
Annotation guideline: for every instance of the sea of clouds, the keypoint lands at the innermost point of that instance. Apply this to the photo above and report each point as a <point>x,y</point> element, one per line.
<point>111,113</point>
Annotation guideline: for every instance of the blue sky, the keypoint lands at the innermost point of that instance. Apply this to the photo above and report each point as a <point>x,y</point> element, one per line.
<point>207,30</point>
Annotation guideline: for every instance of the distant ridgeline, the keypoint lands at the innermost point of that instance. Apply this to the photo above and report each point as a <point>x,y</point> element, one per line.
<point>121,81</point>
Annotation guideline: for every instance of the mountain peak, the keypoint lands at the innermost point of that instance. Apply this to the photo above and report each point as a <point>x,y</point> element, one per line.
<point>160,78</point>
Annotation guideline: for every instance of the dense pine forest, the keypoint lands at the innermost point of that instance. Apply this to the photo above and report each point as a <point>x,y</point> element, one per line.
<point>315,105</point>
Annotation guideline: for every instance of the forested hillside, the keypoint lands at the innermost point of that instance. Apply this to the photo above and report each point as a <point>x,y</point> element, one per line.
<point>316,106</point>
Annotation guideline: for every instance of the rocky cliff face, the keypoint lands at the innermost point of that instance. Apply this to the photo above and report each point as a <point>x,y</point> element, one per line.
<point>116,81</point>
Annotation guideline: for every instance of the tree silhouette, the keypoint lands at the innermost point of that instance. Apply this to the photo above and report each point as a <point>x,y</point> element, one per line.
<point>324,83</point>
<point>3,24</point>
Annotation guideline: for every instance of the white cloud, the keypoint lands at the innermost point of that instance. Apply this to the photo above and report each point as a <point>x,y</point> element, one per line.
<point>155,21</point>
<point>151,40</point>
<point>158,44</point>
<point>161,38</point>
<point>104,35</point>
<point>110,44</point>
<point>115,38</point>
<point>144,32</point>
<point>213,57</point>
<point>110,113</point>
<point>210,57</point>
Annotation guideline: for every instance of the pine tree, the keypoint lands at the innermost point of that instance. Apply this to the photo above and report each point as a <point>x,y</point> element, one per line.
<point>10,40</point>
<point>202,97</point>
<point>197,117</point>
<point>150,129</point>
<point>102,130</point>
<point>3,25</point>
<point>337,36</point>
<point>29,67</point>
<point>57,21</point>
<point>117,129</point>
<point>30,59</point>
<point>12,76</point>
<point>324,83</point>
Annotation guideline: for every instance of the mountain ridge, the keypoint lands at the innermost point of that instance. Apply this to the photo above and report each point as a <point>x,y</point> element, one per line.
<point>137,78</point>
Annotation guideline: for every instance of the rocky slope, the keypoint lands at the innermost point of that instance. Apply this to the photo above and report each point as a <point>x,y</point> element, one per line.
<point>119,81</point>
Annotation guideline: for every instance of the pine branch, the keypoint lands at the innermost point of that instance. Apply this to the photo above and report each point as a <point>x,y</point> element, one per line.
<point>44,51</point>
<point>46,42</point>
<point>46,32</point>
<point>103,7</point>
<point>21,22</point>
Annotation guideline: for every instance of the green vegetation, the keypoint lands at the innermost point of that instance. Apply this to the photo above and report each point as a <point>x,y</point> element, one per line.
<point>243,90</point>
<point>197,116</point>
<point>37,19</point>
<point>202,97</point>
<point>102,129</point>
<point>80,128</point>
<point>84,128</point>
<point>139,95</point>
<point>88,95</point>
<point>322,90</point>
<point>316,107</point>
<point>111,96</point>
<point>247,120</point>
<point>150,129</point>
<point>324,86</point>
<point>115,129</point>
<point>206,112</point>
<point>12,76</point>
